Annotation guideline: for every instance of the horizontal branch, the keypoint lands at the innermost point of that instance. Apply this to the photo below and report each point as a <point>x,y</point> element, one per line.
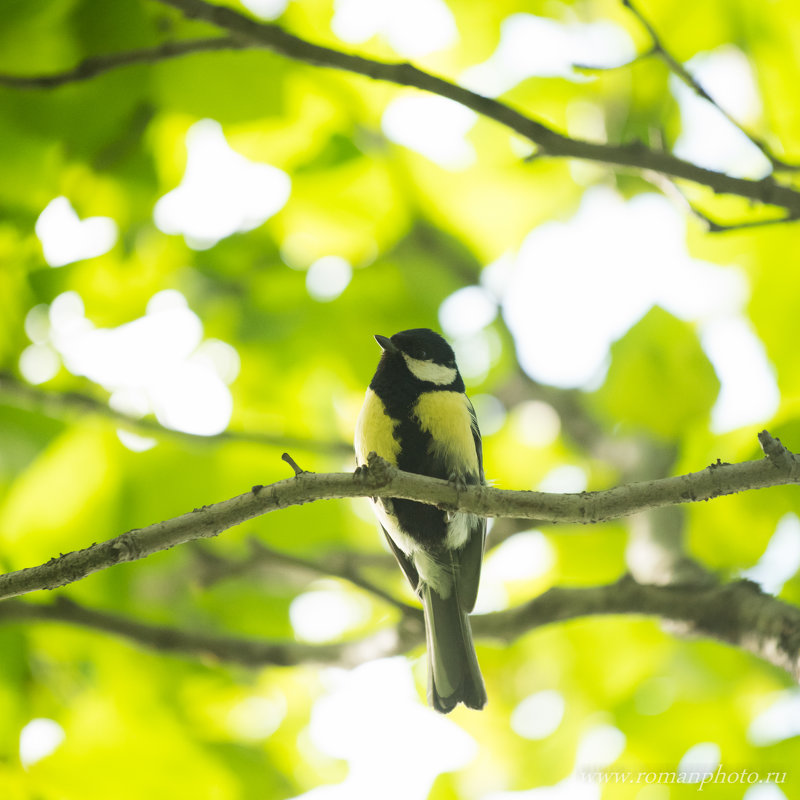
<point>380,479</point>
<point>738,614</point>
<point>97,65</point>
<point>63,405</point>
<point>550,142</point>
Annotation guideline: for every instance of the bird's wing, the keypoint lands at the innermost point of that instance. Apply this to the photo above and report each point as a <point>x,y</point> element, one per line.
<point>404,561</point>
<point>467,565</point>
<point>476,436</point>
<point>467,561</point>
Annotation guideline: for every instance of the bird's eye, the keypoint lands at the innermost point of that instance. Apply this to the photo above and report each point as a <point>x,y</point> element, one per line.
<point>422,354</point>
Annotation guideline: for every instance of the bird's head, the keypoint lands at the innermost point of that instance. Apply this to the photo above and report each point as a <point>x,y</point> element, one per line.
<point>426,355</point>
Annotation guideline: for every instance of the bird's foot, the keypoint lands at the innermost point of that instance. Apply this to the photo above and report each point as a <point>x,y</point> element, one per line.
<point>458,481</point>
<point>377,472</point>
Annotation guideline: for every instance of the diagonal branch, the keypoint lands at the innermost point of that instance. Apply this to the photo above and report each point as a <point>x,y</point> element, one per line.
<point>340,568</point>
<point>779,467</point>
<point>672,191</point>
<point>345,565</point>
<point>658,49</point>
<point>739,614</point>
<point>245,32</point>
<point>713,226</point>
<point>61,405</point>
<point>680,71</point>
<point>91,67</point>
<point>211,567</point>
<point>551,143</point>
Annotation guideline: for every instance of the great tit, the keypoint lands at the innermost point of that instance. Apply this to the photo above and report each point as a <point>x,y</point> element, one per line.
<point>417,417</point>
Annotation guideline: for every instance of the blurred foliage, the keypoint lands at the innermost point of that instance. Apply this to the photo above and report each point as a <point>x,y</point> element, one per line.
<point>139,723</point>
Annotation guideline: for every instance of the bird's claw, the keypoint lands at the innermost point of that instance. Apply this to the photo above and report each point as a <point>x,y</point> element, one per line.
<point>457,481</point>
<point>376,472</point>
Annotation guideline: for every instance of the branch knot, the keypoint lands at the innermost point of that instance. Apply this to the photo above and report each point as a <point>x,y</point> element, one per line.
<point>377,472</point>
<point>127,545</point>
<point>779,455</point>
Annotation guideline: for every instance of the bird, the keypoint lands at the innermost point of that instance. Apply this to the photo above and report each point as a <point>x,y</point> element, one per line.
<point>417,416</point>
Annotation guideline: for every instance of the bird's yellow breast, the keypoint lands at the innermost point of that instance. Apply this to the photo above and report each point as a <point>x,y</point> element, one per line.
<point>446,416</point>
<point>375,431</point>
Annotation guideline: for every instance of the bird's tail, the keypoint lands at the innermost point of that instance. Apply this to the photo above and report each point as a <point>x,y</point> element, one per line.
<point>453,672</point>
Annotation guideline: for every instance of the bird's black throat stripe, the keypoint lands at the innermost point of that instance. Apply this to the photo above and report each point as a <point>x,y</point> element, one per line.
<point>399,392</point>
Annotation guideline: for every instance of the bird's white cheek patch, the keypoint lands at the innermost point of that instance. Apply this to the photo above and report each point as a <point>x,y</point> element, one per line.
<point>430,372</point>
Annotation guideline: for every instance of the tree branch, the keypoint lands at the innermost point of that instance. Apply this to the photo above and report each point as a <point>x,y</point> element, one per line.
<point>672,191</point>
<point>245,32</point>
<point>91,67</point>
<point>714,226</point>
<point>61,405</point>
<point>338,568</point>
<point>211,566</point>
<point>779,467</point>
<point>291,569</point>
<point>689,80</point>
<point>250,652</point>
<point>551,143</point>
<point>739,614</point>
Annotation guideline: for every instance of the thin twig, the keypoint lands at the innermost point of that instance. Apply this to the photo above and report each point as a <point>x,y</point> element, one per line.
<point>674,192</point>
<point>97,65</point>
<point>679,70</point>
<point>213,567</point>
<point>60,405</point>
<point>581,67</point>
<point>293,464</point>
<point>728,227</point>
<point>323,567</point>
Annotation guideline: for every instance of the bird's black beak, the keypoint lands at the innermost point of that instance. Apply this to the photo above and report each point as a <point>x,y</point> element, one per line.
<point>386,343</point>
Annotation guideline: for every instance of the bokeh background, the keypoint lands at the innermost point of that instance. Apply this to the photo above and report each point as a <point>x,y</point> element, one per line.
<point>208,243</point>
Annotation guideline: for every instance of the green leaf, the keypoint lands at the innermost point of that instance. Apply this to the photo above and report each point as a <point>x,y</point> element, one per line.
<point>659,380</point>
